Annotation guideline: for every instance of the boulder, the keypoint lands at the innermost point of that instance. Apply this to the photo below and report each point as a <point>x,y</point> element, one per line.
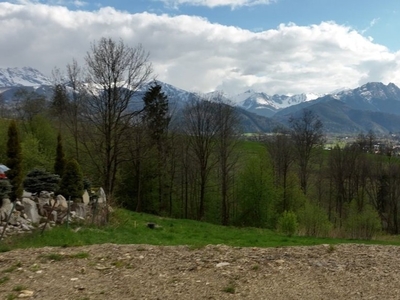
<point>62,202</point>
<point>85,197</point>
<point>5,209</point>
<point>31,210</point>
<point>80,210</point>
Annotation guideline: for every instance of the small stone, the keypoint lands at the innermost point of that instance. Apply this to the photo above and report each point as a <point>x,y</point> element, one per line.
<point>25,294</point>
<point>74,279</point>
<point>222,264</point>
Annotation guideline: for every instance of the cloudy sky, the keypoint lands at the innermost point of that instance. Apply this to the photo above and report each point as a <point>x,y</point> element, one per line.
<point>275,46</point>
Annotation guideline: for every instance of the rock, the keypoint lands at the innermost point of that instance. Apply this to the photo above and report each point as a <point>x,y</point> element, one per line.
<point>5,209</point>
<point>25,294</point>
<point>85,197</point>
<point>80,210</point>
<point>62,202</point>
<point>222,264</point>
<point>31,210</point>
<point>101,196</point>
<point>53,216</point>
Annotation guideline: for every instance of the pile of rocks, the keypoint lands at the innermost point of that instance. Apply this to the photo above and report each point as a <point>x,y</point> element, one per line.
<point>33,212</point>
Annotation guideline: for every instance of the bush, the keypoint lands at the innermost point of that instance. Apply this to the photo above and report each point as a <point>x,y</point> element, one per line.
<point>314,221</point>
<point>364,224</point>
<point>72,181</point>
<point>287,223</point>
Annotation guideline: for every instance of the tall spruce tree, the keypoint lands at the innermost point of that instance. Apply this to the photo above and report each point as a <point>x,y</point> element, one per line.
<point>156,117</point>
<point>59,164</point>
<point>14,161</point>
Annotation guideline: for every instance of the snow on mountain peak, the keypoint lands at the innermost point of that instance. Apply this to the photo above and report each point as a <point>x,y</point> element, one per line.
<point>26,76</point>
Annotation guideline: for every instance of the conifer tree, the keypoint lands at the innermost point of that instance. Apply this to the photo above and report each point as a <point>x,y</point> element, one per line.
<point>156,117</point>
<point>72,181</point>
<point>14,161</point>
<point>39,180</point>
<point>5,190</point>
<point>60,162</point>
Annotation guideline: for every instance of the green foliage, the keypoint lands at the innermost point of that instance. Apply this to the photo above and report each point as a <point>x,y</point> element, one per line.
<point>4,123</point>
<point>60,162</point>
<point>364,224</point>
<point>5,189</point>
<point>14,161</point>
<point>33,155</point>
<point>255,195</point>
<point>127,227</point>
<point>314,221</point>
<point>39,180</point>
<point>287,223</point>
<point>156,114</point>
<point>72,181</point>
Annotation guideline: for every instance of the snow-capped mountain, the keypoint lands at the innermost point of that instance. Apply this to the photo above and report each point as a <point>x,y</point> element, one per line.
<point>18,77</point>
<point>267,105</point>
<point>373,96</point>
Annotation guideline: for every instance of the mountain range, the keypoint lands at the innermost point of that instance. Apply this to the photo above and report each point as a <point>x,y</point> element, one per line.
<point>372,106</point>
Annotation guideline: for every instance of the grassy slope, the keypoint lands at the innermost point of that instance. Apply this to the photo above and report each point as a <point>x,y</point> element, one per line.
<point>131,228</point>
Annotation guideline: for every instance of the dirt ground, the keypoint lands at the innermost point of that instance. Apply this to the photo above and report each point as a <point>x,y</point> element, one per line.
<point>213,272</point>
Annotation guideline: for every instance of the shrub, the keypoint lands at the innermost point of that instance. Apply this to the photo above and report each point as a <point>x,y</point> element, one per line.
<point>364,224</point>
<point>39,180</point>
<point>314,221</point>
<point>72,181</point>
<point>287,223</point>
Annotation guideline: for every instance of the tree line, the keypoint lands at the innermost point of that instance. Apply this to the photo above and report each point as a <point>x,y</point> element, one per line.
<point>192,162</point>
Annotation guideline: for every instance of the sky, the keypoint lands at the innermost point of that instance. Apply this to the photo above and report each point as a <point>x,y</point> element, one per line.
<point>274,46</point>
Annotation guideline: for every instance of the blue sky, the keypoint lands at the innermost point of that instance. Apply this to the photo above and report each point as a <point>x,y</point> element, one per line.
<point>375,18</point>
<point>276,46</point>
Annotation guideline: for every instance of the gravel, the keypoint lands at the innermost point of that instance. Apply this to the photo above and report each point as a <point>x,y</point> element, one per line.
<point>108,271</point>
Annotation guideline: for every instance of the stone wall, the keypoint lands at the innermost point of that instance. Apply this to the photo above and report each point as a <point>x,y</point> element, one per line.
<point>34,212</point>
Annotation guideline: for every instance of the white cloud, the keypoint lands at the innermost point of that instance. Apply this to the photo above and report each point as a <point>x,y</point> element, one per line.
<point>216,3</point>
<point>194,54</point>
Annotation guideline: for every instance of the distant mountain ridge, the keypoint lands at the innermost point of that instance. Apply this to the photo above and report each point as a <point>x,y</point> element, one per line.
<point>372,106</point>
<point>19,77</point>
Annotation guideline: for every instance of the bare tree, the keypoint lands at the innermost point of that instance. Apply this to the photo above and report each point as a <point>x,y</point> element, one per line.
<point>226,148</point>
<point>307,136</point>
<point>115,72</point>
<point>281,151</point>
<point>201,129</point>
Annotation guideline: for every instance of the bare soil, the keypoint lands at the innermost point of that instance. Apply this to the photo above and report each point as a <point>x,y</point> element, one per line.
<point>213,272</point>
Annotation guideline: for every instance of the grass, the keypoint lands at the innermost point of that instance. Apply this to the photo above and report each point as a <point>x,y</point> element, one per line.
<point>12,268</point>
<point>131,228</point>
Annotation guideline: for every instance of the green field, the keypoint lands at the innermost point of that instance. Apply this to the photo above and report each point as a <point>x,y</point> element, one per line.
<point>131,228</point>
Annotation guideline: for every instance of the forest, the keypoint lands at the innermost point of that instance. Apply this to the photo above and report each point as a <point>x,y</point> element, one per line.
<point>194,162</point>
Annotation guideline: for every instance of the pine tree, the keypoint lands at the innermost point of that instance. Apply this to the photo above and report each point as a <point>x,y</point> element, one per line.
<point>14,161</point>
<point>156,112</point>
<point>72,181</point>
<point>59,164</point>
<point>39,180</point>
<point>156,117</point>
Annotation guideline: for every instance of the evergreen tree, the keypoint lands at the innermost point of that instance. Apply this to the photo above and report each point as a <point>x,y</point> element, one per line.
<point>72,181</point>
<point>5,190</point>
<point>59,103</point>
<point>14,161</point>
<point>39,180</point>
<point>156,117</point>
<point>156,112</point>
<point>59,164</point>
